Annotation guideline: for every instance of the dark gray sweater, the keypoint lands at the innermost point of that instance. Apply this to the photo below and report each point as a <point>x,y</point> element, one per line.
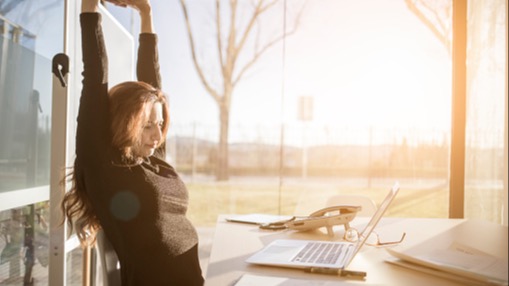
<point>142,208</point>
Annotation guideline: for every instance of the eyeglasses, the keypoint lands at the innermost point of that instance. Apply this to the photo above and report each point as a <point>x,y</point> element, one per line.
<point>353,235</point>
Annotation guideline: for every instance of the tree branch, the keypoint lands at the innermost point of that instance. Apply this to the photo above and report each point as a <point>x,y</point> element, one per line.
<point>259,9</point>
<point>266,47</point>
<point>219,38</point>
<point>204,81</point>
<point>441,36</point>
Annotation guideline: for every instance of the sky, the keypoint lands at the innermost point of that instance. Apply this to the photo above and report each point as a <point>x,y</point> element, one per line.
<point>366,63</point>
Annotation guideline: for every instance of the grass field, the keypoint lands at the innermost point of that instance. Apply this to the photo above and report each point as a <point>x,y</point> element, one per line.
<point>208,199</point>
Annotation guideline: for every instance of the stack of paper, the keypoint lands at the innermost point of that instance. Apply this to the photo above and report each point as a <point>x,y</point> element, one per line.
<point>446,256</point>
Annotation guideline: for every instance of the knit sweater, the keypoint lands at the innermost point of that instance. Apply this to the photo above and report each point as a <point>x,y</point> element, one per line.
<point>141,207</point>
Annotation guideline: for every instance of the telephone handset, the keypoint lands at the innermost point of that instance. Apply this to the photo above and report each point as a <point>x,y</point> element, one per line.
<point>326,217</point>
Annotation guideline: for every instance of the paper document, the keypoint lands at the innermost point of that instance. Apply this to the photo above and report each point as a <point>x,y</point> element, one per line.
<point>258,218</point>
<point>257,280</point>
<point>447,275</point>
<point>470,259</point>
<point>461,260</point>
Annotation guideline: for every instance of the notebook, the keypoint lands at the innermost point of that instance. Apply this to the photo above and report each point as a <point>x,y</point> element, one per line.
<point>321,254</point>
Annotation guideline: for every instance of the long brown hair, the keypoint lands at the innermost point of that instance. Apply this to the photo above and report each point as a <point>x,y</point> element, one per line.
<point>127,102</point>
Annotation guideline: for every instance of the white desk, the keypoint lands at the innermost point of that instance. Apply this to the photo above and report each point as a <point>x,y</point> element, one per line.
<point>235,242</point>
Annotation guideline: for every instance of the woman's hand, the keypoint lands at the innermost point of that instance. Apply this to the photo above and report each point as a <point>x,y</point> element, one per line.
<point>140,5</point>
<point>143,7</point>
<point>89,6</point>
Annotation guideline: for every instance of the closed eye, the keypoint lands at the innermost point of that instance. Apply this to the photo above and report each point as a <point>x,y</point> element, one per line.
<point>152,124</point>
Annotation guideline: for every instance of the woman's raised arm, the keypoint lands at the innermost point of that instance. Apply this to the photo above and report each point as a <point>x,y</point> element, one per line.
<point>145,10</point>
<point>92,134</point>
<point>147,68</point>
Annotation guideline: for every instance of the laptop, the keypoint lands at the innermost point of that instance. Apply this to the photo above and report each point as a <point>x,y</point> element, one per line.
<point>295,253</point>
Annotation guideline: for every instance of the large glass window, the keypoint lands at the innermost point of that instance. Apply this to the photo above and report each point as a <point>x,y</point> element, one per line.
<point>31,32</point>
<point>356,98</point>
<point>26,49</point>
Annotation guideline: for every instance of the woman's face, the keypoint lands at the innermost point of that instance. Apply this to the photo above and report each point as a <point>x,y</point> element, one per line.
<point>151,134</point>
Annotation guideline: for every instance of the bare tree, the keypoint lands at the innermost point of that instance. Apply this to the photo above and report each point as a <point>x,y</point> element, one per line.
<point>230,46</point>
<point>436,16</point>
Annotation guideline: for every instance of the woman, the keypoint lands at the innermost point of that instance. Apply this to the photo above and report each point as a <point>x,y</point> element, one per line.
<point>120,181</point>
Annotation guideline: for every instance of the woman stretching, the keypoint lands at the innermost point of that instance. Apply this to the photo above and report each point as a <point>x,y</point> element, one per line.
<point>120,181</point>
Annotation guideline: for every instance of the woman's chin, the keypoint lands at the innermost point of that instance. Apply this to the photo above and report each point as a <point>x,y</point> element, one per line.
<point>144,152</point>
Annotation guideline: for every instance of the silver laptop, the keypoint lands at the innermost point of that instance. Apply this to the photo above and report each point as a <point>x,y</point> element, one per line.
<point>321,254</point>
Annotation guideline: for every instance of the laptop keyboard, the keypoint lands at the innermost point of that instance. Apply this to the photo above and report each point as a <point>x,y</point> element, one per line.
<point>319,252</point>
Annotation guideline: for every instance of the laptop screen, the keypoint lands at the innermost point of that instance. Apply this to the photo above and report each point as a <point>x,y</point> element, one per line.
<point>377,216</point>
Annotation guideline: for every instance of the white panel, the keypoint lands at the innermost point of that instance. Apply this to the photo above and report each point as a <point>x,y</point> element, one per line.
<point>18,198</point>
<point>120,47</point>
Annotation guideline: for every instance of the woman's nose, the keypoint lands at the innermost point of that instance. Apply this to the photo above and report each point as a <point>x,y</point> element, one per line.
<point>157,134</point>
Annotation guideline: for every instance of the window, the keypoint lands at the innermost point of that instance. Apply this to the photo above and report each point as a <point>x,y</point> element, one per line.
<point>26,47</point>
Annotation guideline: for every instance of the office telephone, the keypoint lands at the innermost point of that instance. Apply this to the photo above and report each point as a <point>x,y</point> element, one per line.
<point>326,217</point>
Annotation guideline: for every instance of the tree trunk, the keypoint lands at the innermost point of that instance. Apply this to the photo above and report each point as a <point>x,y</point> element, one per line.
<point>222,172</point>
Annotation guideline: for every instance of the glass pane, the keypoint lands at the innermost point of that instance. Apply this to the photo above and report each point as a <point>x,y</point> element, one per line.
<point>27,45</point>
<point>24,245</point>
<point>31,33</point>
<point>357,98</point>
<point>25,110</point>
<point>74,267</point>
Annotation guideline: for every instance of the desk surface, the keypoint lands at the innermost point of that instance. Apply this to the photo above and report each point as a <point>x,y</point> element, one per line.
<point>235,242</point>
